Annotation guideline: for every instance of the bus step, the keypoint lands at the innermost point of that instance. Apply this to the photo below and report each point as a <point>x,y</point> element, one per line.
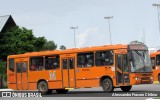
<point>155,82</point>
<point>69,88</point>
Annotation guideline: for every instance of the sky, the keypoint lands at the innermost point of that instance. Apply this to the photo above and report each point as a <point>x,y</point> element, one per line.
<point>132,20</point>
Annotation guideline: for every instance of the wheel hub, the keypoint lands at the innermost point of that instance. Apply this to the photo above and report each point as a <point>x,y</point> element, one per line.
<point>42,88</point>
<point>106,85</point>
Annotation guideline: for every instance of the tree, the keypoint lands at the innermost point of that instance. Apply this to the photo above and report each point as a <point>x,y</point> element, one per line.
<point>62,47</point>
<point>3,73</point>
<point>49,45</point>
<point>20,40</point>
<point>39,43</point>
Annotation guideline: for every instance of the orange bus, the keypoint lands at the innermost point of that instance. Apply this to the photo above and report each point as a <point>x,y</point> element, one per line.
<point>155,62</point>
<point>109,66</point>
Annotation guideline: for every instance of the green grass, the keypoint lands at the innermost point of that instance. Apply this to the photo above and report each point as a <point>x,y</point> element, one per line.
<point>4,87</point>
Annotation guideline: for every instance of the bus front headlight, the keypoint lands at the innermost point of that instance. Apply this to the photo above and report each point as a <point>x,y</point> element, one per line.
<point>137,78</point>
<point>151,78</point>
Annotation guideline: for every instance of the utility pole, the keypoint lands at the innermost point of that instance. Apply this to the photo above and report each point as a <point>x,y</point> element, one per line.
<point>74,28</point>
<point>158,7</point>
<point>110,17</point>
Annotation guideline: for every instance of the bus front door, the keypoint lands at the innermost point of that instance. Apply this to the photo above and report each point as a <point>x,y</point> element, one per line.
<point>22,75</point>
<point>68,72</point>
<point>122,70</point>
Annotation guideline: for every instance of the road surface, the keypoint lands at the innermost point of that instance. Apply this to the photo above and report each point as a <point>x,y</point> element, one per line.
<point>98,94</point>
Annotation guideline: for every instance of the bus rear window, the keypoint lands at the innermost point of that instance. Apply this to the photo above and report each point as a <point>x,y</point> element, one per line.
<point>11,64</point>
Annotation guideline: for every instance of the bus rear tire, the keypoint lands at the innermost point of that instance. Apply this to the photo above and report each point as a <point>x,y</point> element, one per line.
<point>43,87</point>
<point>61,91</point>
<point>107,85</point>
<point>126,88</point>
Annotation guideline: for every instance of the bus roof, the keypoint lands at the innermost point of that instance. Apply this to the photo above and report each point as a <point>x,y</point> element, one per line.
<point>155,53</point>
<point>73,50</point>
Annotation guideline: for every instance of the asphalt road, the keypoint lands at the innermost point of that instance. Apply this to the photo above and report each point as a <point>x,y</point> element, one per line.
<point>98,94</point>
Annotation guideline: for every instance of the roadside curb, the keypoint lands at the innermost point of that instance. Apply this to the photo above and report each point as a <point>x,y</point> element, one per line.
<point>153,99</point>
<point>6,90</point>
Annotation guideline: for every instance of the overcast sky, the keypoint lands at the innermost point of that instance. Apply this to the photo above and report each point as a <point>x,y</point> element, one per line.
<point>53,19</point>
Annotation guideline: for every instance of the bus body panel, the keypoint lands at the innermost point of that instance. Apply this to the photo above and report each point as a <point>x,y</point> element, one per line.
<point>69,74</point>
<point>155,65</point>
<point>11,79</point>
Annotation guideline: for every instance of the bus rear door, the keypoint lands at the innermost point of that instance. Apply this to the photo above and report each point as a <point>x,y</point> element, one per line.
<point>22,74</point>
<point>122,69</point>
<point>68,71</point>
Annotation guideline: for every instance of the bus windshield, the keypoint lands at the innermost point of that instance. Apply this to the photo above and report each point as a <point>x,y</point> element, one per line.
<point>140,61</point>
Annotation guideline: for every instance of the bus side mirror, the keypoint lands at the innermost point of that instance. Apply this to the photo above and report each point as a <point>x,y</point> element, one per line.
<point>153,67</point>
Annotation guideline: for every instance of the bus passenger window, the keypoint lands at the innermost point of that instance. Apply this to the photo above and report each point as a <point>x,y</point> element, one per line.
<point>104,58</point>
<point>85,59</point>
<point>51,62</point>
<point>36,63</point>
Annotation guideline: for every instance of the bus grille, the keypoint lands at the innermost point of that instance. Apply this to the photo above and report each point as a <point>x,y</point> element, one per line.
<point>146,74</point>
<point>145,78</point>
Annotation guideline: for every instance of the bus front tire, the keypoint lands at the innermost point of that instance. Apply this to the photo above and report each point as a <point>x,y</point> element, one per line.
<point>61,91</point>
<point>126,88</point>
<point>43,88</point>
<point>107,85</point>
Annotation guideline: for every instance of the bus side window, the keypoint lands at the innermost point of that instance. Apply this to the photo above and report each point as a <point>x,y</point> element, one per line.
<point>153,62</point>
<point>158,60</point>
<point>104,58</point>
<point>19,69</point>
<point>119,61</point>
<point>24,67</point>
<point>64,63</point>
<point>85,59</point>
<point>36,63</point>
<point>125,63</point>
<point>71,63</point>
<point>11,64</point>
<point>51,62</point>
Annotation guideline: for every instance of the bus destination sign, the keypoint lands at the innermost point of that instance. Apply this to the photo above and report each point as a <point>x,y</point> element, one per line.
<point>138,47</point>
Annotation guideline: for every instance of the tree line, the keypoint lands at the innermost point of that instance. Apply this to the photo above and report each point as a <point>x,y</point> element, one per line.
<point>18,40</point>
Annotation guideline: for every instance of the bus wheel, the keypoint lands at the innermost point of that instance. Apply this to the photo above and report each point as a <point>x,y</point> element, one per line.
<point>126,88</point>
<point>107,85</point>
<point>61,91</point>
<point>43,87</point>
